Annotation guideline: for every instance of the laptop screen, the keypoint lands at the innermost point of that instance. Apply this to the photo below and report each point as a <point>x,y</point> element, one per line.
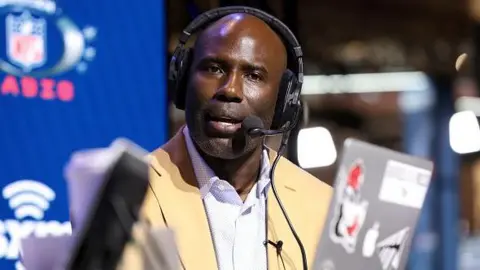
<point>378,195</point>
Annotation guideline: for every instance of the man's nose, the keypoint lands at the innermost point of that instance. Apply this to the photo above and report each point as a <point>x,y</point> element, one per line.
<point>231,89</point>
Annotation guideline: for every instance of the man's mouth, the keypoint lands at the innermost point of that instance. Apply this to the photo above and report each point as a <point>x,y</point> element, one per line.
<point>222,125</point>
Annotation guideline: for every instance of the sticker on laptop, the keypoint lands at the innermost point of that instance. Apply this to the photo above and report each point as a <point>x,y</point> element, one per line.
<point>404,184</point>
<point>327,265</point>
<point>350,207</point>
<point>390,249</point>
<point>370,240</point>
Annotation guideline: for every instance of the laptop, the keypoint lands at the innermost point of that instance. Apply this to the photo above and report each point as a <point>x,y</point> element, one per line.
<point>100,242</point>
<point>378,196</point>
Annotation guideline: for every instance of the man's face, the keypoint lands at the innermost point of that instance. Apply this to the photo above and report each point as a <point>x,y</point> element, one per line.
<point>236,71</point>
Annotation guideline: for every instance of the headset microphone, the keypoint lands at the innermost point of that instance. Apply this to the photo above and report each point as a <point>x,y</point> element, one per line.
<point>253,126</point>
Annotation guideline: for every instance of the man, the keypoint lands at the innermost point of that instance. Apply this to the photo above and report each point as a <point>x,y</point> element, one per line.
<point>210,183</point>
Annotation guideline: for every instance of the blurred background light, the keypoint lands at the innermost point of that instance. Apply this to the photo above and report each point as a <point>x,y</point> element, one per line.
<point>464,132</point>
<point>315,148</point>
<point>365,83</point>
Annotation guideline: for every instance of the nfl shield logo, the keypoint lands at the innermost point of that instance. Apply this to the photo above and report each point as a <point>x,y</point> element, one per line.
<point>26,37</point>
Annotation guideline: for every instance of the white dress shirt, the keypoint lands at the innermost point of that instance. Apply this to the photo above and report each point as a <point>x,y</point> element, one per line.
<point>238,228</point>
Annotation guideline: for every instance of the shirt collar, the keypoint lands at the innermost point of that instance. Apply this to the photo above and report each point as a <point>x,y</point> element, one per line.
<point>206,177</point>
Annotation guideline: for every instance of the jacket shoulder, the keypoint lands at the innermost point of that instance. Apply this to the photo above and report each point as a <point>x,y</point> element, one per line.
<point>303,181</point>
<point>159,160</point>
<point>309,203</point>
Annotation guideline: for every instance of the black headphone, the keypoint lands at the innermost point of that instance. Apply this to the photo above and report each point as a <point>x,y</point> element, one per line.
<point>288,102</point>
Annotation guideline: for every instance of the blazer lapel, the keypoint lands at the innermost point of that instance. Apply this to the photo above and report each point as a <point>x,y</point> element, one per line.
<point>181,204</point>
<point>278,229</point>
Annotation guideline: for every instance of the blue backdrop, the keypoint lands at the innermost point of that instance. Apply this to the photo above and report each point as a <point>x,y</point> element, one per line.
<point>73,74</point>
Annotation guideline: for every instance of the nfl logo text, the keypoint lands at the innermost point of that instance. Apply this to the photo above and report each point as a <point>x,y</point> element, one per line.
<point>28,70</point>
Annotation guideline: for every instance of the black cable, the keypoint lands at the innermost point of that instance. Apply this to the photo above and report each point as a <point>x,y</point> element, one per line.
<point>281,149</point>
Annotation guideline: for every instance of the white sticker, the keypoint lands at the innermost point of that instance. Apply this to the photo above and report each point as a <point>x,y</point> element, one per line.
<point>404,184</point>
<point>350,209</point>
<point>391,248</point>
<point>327,265</point>
<point>370,240</point>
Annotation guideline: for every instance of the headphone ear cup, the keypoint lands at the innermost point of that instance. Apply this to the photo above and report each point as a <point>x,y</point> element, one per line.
<point>182,65</point>
<point>286,94</point>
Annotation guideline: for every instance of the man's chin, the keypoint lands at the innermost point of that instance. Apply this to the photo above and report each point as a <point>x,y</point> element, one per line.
<point>220,148</point>
<point>227,148</point>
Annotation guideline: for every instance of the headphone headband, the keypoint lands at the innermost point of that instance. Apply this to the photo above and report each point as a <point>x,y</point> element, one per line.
<point>278,26</point>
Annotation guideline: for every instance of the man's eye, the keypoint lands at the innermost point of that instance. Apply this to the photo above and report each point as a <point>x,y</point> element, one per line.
<point>214,69</point>
<point>254,77</point>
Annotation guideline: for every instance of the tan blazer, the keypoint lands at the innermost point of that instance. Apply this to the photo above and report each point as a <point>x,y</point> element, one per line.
<point>174,201</point>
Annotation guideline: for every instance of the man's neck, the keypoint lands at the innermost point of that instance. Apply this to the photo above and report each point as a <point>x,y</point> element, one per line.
<point>241,173</point>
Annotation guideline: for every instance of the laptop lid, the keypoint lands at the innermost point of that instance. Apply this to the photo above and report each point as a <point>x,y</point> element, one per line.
<point>378,195</point>
<point>100,241</point>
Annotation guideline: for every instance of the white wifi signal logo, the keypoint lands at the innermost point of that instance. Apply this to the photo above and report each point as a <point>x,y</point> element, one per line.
<point>28,198</point>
